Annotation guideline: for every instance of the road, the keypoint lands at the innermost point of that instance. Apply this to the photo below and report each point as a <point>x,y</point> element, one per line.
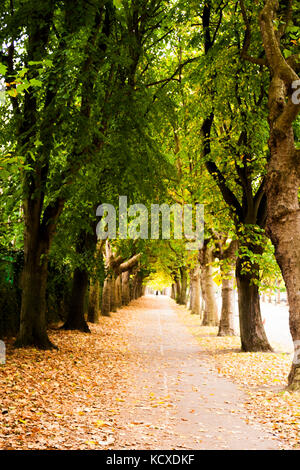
<point>176,400</point>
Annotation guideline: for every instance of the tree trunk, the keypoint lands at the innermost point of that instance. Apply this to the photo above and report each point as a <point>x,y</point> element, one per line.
<point>226,326</point>
<point>106,298</point>
<point>191,290</point>
<point>39,225</point>
<point>113,300</point>
<point>33,328</point>
<point>228,255</point>
<point>253,336</point>
<point>173,292</point>
<point>139,285</point>
<point>125,288</point>
<point>76,320</point>
<point>136,286</point>
<point>132,286</point>
<point>283,225</point>
<point>178,290</point>
<point>210,314</point>
<point>37,241</point>
<point>107,301</point>
<point>195,305</point>
<point>118,287</point>
<point>76,313</point>
<point>94,299</point>
<point>269,296</point>
<point>283,175</point>
<point>284,229</point>
<point>278,300</point>
<point>183,286</point>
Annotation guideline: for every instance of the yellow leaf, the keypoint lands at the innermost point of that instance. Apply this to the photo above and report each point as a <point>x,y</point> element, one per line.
<point>101,423</point>
<point>13,92</point>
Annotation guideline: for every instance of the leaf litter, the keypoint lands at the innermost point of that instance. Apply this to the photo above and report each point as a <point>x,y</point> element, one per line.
<point>262,376</point>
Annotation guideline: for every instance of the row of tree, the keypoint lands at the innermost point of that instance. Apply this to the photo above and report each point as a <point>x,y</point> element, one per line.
<point>178,101</point>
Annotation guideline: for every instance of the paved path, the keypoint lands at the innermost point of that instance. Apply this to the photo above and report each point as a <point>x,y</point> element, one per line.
<point>176,401</point>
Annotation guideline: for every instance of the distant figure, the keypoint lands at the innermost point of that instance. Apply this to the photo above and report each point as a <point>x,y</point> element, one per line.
<point>157,292</point>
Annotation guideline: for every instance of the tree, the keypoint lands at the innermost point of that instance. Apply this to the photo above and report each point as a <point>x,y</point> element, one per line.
<point>227,253</point>
<point>36,113</point>
<point>116,269</point>
<point>60,125</point>
<point>94,292</point>
<point>278,24</point>
<point>76,319</point>
<point>206,258</point>
<point>195,291</point>
<point>232,149</point>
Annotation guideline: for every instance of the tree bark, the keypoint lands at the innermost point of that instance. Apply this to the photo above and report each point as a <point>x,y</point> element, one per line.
<point>283,175</point>
<point>37,120</point>
<point>76,313</point>
<point>253,336</point>
<point>118,287</point>
<point>125,288</point>
<point>195,305</point>
<point>132,288</point>
<point>210,314</point>
<point>38,236</point>
<point>107,295</point>
<point>178,290</point>
<point>191,290</point>
<point>278,300</point>
<point>283,226</point>
<point>106,298</point>
<point>269,296</point>
<point>183,286</point>
<point>76,320</point>
<point>173,292</point>
<point>94,299</point>
<point>228,256</point>
<point>129,264</point>
<point>226,326</point>
<point>33,328</point>
<point>113,300</point>
<point>138,285</point>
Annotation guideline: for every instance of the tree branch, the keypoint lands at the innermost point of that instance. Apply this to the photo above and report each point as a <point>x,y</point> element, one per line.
<point>130,263</point>
<point>247,40</point>
<point>214,171</point>
<point>276,61</point>
<point>172,77</point>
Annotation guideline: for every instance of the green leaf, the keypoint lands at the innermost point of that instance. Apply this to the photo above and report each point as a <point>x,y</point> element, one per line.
<point>23,72</point>
<point>3,69</point>
<point>117,3</point>
<point>35,82</point>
